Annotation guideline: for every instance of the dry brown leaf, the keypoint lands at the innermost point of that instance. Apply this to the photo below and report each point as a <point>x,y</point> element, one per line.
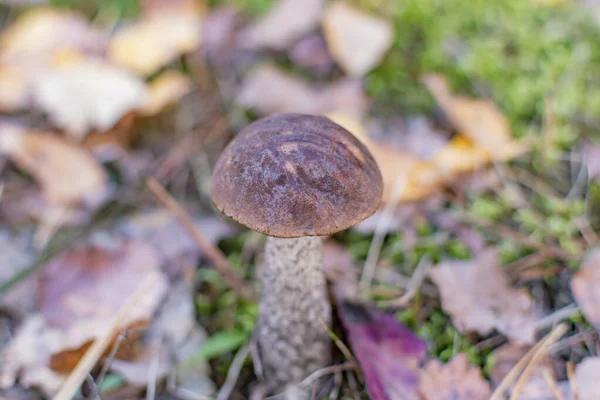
<point>454,380</point>
<point>460,156</point>
<point>584,286</point>
<point>286,22</point>
<point>478,297</point>
<point>66,172</point>
<point>164,90</point>
<point>479,120</point>
<point>269,90</point>
<point>14,88</point>
<point>587,376</point>
<point>156,40</point>
<point>356,40</point>
<point>87,94</point>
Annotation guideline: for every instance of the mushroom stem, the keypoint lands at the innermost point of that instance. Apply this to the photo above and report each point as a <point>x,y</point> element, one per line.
<point>293,304</point>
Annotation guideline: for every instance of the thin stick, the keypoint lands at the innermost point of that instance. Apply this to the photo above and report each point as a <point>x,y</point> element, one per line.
<point>536,358</point>
<point>381,232</point>
<point>309,380</point>
<point>552,384</point>
<point>558,315</point>
<point>516,370</point>
<point>234,372</point>
<point>93,354</point>
<point>217,258</point>
<point>572,380</point>
<point>413,286</point>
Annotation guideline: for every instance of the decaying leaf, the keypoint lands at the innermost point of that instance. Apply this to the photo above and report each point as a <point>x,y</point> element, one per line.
<point>88,94</point>
<point>479,120</point>
<point>81,290</point>
<point>286,22</point>
<point>587,376</point>
<point>311,52</point>
<point>14,88</point>
<point>66,172</point>
<point>15,255</point>
<point>478,297</point>
<point>157,39</point>
<point>269,90</point>
<point>454,380</point>
<point>164,90</point>
<point>356,40</point>
<point>389,354</point>
<point>584,286</point>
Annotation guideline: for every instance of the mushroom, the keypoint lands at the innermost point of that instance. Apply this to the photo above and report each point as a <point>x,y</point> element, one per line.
<point>295,178</point>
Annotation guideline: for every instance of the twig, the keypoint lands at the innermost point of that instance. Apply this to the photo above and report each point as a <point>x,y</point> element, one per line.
<point>218,259</point>
<point>552,384</point>
<point>234,372</point>
<point>312,378</point>
<point>583,224</point>
<point>338,342</point>
<point>381,229</point>
<point>535,359</point>
<point>413,285</point>
<point>256,361</point>
<point>572,380</point>
<point>558,315</point>
<point>95,351</point>
<point>516,370</point>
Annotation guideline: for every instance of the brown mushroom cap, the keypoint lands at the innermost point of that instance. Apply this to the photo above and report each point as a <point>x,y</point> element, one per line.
<point>292,175</point>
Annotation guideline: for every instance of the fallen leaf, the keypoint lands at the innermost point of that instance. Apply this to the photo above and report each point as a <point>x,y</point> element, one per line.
<point>479,120</point>
<point>416,178</point>
<point>587,376</point>
<point>389,354</point>
<point>153,42</point>
<point>356,40</point>
<point>584,286</point>
<point>268,90</point>
<point>285,23</point>
<point>38,35</point>
<point>219,33</point>
<point>67,174</point>
<point>454,380</point>
<point>81,290</point>
<point>87,94</point>
<point>478,297</point>
<point>164,90</point>
<point>33,42</point>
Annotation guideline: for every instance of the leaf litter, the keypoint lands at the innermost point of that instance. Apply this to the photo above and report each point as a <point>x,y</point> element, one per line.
<point>97,83</point>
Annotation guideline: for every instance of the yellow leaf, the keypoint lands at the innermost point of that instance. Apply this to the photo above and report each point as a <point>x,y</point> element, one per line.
<point>150,44</point>
<point>479,120</point>
<point>67,173</point>
<point>165,89</point>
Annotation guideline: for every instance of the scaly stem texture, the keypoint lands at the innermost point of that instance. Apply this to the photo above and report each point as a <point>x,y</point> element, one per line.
<point>293,341</point>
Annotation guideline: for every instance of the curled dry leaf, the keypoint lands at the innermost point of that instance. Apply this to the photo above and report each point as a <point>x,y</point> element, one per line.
<point>286,22</point>
<point>88,94</point>
<point>479,120</point>
<point>66,172</point>
<point>454,380</point>
<point>157,39</point>
<point>164,90</point>
<point>268,90</point>
<point>357,41</point>
<point>478,297</point>
<point>584,286</point>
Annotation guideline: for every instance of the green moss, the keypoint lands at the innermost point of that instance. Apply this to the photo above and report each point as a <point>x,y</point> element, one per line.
<point>122,8</point>
<point>516,52</point>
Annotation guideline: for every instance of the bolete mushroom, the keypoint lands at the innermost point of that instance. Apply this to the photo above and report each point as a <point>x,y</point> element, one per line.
<point>295,178</point>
